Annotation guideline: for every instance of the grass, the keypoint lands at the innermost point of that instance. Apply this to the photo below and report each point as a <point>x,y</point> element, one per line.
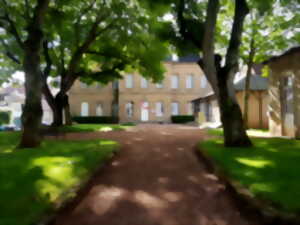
<point>270,169</point>
<point>34,181</point>
<point>250,132</point>
<point>95,127</point>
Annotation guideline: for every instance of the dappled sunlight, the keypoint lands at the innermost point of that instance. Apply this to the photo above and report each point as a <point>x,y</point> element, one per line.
<point>45,176</point>
<point>149,201</point>
<point>165,133</point>
<point>109,195</point>
<point>211,177</point>
<point>262,187</point>
<point>268,169</point>
<point>180,149</point>
<point>163,180</point>
<point>105,129</point>
<point>172,196</point>
<point>257,163</point>
<point>138,139</point>
<point>115,163</point>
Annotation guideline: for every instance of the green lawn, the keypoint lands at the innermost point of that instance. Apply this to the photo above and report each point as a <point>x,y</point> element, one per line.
<point>250,132</point>
<point>94,127</point>
<point>270,169</point>
<point>34,181</point>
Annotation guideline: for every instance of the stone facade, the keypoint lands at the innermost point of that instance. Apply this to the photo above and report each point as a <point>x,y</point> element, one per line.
<point>284,93</point>
<point>144,101</point>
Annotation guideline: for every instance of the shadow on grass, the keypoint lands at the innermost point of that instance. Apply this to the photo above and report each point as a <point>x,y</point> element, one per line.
<point>33,181</point>
<point>270,169</point>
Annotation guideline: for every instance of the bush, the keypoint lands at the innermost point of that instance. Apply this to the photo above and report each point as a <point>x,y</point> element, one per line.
<point>182,119</point>
<point>95,119</point>
<point>4,117</point>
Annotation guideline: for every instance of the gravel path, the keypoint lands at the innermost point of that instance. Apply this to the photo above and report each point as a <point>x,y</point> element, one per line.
<point>155,180</point>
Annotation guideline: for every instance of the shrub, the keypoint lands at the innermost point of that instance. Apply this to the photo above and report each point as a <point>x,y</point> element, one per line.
<point>95,119</point>
<point>4,117</point>
<point>182,119</point>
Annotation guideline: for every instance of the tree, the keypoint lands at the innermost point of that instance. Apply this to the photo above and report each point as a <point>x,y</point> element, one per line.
<point>22,24</point>
<point>220,76</point>
<point>97,41</point>
<point>109,38</point>
<point>197,31</point>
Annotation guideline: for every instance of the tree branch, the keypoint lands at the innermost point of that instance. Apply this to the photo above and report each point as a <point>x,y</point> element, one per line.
<point>209,63</point>
<point>27,9</point>
<point>48,60</point>
<point>183,30</point>
<point>12,27</point>
<point>9,54</point>
<point>241,10</point>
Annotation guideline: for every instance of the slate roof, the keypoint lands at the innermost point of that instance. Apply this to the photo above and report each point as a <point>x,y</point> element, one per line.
<point>257,83</point>
<point>185,59</point>
<point>288,52</point>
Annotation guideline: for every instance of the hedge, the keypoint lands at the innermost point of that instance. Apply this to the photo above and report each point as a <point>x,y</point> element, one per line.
<point>4,117</point>
<point>95,119</point>
<point>182,119</point>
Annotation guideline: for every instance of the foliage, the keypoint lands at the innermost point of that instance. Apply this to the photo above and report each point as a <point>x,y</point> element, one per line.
<point>94,127</point>
<point>4,117</point>
<point>182,119</point>
<point>273,31</point>
<point>95,119</point>
<point>111,36</point>
<point>34,181</point>
<point>268,169</point>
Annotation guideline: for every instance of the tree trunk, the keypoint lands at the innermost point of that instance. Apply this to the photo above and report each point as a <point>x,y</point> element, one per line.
<point>115,101</point>
<point>232,119</point>
<point>32,111</point>
<point>68,115</point>
<point>247,83</point>
<point>58,112</point>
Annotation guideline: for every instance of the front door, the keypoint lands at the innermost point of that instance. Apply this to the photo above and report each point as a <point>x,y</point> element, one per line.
<point>145,111</point>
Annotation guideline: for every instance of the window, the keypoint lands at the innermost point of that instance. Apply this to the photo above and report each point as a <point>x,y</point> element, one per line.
<point>129,81</point>
<point>175,108</point>
<point>190,108</point>
<point>208,112</point>
<point>190,81</point>
<point>203,81</point>
<point>99,85</point>
<point>83,85</point>
<point>99,110</point>
<point>159,109</point>
<point>160,85</point>
<point>84,109</point>
<point>174,82</point>
<point>129,109</point>
<point>144,82</point>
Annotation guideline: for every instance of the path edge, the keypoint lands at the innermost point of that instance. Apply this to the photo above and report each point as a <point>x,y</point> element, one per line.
<point>78,190</point>
<point>244,198</point>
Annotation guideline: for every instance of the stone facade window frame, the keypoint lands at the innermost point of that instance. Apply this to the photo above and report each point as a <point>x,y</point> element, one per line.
<point>129,81</point>
<point>175,111</point>
<point>174,81</point>
<point>190,81</point>
<point>160,85</point>
<point>203,81</point>
<point>144,83</point>
<point>159,109</point>
<point>129,108</point>
<point>84,109</point>
<point>99,109</point>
